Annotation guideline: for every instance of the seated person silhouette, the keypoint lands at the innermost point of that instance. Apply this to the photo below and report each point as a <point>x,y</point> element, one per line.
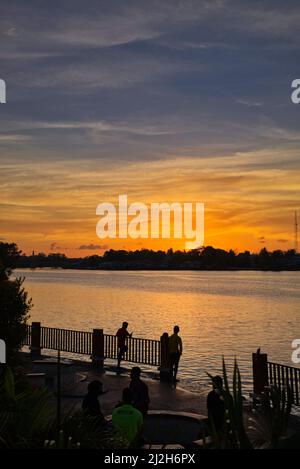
<point>139,390</point>
<point>91,404</point>
<point>127,420</point>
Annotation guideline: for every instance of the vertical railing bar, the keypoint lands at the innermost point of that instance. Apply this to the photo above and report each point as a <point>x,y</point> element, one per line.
<point>278,375</point>
<point>132,350</point>
<point>297,379</point>
<point>292,384</point>
<point>283,375</point>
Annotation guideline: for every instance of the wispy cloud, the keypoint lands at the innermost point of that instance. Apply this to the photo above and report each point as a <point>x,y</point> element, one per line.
<point>93,247</point>
<point>249,103</point>
<point>161,99</point>
<point>14,138</point>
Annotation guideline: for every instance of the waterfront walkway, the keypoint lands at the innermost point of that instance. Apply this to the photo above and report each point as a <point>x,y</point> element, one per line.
<point>163,396</point>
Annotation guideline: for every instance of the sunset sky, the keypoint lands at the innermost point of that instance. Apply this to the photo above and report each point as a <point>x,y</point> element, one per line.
<point>161,100</point>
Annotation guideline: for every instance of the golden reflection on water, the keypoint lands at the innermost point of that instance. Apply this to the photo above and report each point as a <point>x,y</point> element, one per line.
<point>219,313</point>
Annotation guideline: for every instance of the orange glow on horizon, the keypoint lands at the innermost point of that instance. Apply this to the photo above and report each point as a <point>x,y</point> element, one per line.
<point>53,208</point>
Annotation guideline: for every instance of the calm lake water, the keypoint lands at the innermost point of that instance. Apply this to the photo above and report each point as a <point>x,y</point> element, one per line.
<point>219,313</point>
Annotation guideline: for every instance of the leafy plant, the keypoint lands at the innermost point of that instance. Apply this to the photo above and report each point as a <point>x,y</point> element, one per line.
<point>88,432</point>
<point>263,429</point>
<point>14,301</point>
<point>268,427</point>
<point>24,415</point>
<point>26,421</point>
<point>234,435</point>
<point>61,443</point>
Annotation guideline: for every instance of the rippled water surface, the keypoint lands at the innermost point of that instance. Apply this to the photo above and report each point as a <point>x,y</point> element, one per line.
<point>229,313</point>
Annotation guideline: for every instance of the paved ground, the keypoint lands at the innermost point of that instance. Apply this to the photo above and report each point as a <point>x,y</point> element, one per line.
<point>162,396</point>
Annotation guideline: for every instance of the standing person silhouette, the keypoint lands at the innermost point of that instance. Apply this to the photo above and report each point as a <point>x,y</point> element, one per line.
<point>216,404</point>
<point>175,351</point>
<point>122,335</point>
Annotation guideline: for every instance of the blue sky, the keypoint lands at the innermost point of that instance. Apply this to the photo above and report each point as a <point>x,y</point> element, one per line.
<point>201,86</point>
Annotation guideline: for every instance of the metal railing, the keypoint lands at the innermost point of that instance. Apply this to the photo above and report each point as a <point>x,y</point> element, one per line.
<point>285,376</point>
<point>143,351</point>
<point>67,340</point>
<point>27,338</point>
<point>146,351</point>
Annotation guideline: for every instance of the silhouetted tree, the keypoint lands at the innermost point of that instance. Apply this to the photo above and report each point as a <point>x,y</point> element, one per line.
<point>204,258</point>
<point>14,302</point>
<point>9,254</point>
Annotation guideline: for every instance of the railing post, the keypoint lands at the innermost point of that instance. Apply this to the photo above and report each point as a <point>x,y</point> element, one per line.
<point>35,339</point>
<point>260,372</point>
<point>164,369</point>
<point>98,348</point>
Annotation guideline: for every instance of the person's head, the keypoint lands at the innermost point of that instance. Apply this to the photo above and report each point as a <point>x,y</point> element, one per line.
<point>176,329</point>
<point>95,387</point>
<point>125,325</point>
<point>217,382</point>
<point>135,372</point>
<point>127,396</point>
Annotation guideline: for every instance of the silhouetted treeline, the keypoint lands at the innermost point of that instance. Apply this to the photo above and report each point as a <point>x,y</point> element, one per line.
<point>206,258</point>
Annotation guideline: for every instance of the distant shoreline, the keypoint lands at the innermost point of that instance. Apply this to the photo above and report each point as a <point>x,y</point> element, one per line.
<point>143,269</point>
<point>206,258</point>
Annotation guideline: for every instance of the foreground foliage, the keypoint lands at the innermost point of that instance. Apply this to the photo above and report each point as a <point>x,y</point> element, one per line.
<point>26,421</point>
<point>14,302</point>
<point>265,427</point>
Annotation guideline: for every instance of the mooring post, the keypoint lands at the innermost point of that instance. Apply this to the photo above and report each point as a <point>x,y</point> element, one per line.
<point>98,348</point>
<point>260,372</point>
<point>164,369</point>
<point>35,339</point>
